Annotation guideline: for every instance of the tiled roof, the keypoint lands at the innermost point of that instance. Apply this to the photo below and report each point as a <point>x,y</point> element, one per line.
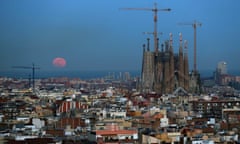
<point>115,132</point>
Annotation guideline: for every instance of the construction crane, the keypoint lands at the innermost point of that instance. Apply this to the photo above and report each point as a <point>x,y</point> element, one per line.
<point>155,10</point>
<point>152,33</point>
<point>33,67</point>
<point>195,24</point>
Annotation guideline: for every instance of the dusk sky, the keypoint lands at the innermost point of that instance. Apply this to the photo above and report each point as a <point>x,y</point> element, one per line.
<point>97,35</point>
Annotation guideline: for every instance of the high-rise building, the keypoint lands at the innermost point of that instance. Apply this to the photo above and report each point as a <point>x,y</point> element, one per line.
<point>221,73</point>
<point>127,76</point>
<point>222,67</point>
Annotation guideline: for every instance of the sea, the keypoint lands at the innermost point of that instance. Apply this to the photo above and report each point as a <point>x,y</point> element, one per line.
<point>70,74</point>
<point>88,74</point>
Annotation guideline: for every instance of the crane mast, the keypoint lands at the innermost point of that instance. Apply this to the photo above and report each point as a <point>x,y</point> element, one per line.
<point>155,11</point>
<point>195,24</point>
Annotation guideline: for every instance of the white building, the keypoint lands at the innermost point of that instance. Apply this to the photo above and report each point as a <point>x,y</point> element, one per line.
<point>222,67</point>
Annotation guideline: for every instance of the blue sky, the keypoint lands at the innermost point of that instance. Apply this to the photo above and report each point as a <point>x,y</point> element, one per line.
<point>96,35</point>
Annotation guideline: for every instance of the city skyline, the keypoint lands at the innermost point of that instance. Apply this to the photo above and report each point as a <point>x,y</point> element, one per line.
<point>94,35</point>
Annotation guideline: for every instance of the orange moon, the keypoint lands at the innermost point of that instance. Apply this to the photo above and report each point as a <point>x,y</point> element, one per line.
<point>59,62</point>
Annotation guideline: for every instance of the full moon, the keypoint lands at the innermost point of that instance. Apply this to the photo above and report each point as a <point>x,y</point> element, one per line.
<point>59,62</point>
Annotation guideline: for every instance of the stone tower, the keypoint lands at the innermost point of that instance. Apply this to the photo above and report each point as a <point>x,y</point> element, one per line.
<point>163,71</point>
